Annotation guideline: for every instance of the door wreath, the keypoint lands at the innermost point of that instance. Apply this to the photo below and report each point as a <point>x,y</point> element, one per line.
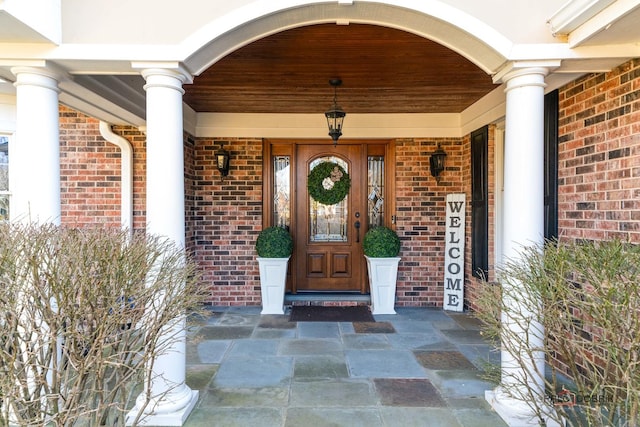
<point>328,183</point>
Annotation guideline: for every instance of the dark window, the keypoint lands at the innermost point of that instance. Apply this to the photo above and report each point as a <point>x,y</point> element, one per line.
<point>551,165</point>
<point>479,205</point>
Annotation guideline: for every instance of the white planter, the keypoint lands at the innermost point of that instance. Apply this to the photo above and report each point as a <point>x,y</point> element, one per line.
<point>273,278</point>
<point>383,274</point>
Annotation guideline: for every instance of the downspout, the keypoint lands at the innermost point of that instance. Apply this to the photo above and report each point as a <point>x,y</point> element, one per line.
<point>126,167</point>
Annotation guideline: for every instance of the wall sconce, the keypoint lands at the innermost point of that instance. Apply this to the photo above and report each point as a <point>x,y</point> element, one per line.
<point>335,114</point>
<point>222,162</point>
<point>436,162</point>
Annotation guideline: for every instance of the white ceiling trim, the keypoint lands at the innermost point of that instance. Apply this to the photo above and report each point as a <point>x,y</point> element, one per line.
<point>370,126</point>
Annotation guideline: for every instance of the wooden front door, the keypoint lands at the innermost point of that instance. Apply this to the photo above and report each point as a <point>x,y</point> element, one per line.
<point>328,245</point>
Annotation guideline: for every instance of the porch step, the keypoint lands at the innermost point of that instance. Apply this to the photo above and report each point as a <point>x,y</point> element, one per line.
<point>318,298</point>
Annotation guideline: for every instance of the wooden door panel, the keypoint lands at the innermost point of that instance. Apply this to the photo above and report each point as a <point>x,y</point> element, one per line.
<point>316,264</point>
<point>330,265</point>
<point>340,264</point>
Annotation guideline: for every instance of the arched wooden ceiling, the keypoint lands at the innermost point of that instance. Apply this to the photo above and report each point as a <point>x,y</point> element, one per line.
<point>384,70</point>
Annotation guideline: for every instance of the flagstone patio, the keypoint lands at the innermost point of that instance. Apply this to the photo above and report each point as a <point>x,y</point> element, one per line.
<point>421,367</point>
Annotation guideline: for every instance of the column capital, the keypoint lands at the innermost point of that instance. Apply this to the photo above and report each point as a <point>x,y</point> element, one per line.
<point>166,69</point>
<point>515,69</point>
<point>45,77</point>
<point>35,158</point>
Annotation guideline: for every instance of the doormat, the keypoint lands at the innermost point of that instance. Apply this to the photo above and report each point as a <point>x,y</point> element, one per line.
<point>317,313</point>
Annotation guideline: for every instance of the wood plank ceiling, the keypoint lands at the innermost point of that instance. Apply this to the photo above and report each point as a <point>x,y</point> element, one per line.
<point>383,70</point>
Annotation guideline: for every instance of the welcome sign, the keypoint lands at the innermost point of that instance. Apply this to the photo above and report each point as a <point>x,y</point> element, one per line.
<point>454,253</point>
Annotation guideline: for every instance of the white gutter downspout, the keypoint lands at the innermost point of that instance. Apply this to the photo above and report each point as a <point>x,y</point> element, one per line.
<point>126,166</point>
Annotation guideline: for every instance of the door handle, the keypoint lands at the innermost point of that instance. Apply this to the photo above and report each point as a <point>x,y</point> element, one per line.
<point>357,225</point>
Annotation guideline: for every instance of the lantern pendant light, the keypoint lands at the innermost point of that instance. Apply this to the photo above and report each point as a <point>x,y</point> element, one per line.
<point>335,115</point>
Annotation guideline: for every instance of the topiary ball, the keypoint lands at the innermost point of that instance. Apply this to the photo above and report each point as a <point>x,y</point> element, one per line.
<point>274,242</point>
<point>381,242</point>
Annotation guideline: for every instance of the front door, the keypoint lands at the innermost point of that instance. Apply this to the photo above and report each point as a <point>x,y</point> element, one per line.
<point>329,236</point>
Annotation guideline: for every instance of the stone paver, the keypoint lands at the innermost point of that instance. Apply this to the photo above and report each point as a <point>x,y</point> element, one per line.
<point>317,367</point>
<point>257,371</point>
<point>383,364</point>
<point>408,392</point>
<point>421,367</point>
<point>335,417</point>
<point>338,392</point>
<point>211,351</point>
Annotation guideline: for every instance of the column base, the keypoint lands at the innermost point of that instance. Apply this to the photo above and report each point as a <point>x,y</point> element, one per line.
<point>175,418</point>
<point>516,413</point>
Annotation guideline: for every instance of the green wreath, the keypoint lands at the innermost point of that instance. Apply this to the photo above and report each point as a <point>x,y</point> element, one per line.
<point>328,183</point>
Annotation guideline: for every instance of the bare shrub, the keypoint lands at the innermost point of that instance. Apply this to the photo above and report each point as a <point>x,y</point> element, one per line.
<point>588,299</point>
<point>82,313</point>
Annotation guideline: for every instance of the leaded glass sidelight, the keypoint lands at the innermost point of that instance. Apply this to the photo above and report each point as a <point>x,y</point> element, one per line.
<point>328,223</point>
<point>375,190</point>
<point>282,191</point>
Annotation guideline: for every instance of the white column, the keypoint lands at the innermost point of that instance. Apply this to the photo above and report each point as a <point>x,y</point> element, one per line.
<point>523,225</point>
<point>35,151</point>
<point>165,158</point>
<point>173,399</point>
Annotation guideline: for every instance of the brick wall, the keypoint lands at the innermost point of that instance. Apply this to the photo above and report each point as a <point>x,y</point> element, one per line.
<point>90,183</point>
<point>90,188</point>
<point>420,206</point>
<point>222,217</point>
<point>225,218</point>
<point>599,188</point>
<point>90,172</point>
<point>599,156</point>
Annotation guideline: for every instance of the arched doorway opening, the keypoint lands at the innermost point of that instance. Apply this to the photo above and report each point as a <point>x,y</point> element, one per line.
<point>388,75</point>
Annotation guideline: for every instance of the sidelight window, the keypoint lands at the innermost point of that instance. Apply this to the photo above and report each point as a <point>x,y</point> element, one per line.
<point>375,190</point>
<point>282,191</point>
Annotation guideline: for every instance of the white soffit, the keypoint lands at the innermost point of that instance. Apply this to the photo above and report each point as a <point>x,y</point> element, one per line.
<point>575,13</point>
<point>15,31</point>
<point>618,24</point>
<point>584,23</point>
<point>30,21</point>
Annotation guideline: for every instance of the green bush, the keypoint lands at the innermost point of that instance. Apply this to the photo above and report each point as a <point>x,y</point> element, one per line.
<point>586,295</point>
<point>82,313</point>
<point>381,242</point>
<point>274,242</point>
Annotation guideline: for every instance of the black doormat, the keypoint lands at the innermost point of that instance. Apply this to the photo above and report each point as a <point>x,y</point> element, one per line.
<point>316,313</point>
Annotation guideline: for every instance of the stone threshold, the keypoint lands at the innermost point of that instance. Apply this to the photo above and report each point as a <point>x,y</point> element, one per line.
<point>319,298</point>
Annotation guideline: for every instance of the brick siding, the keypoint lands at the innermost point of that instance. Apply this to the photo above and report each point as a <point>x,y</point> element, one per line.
<point>420,209</point>
<point>90,173</point>
<point>599,156</point>
<point>225,218</point>
<point>599,189</point>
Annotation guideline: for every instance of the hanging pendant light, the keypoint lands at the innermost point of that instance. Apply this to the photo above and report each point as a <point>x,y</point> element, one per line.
<point>335,115</point>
